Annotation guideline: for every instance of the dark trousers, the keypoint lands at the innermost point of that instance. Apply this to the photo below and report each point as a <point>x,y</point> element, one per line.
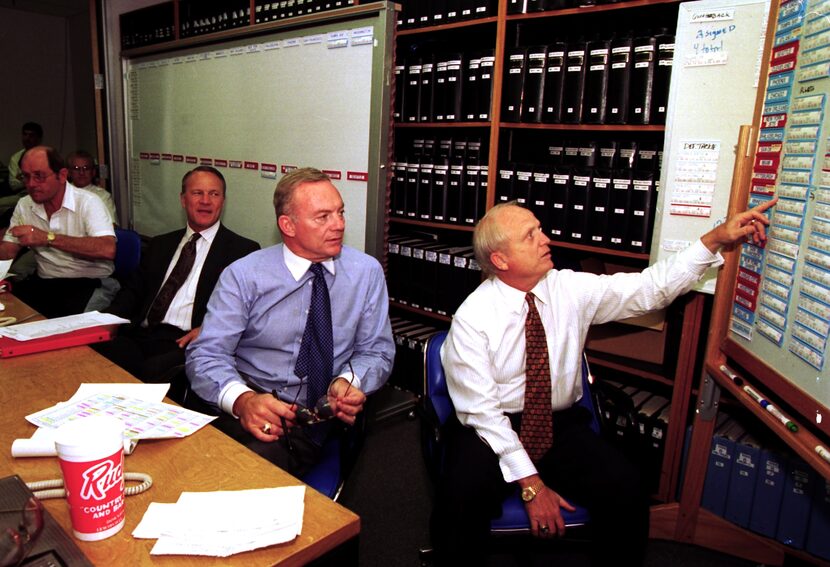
<point>56,297</point>
<point>150,354</point>
<point>294,453</point>
<point>580,466</point>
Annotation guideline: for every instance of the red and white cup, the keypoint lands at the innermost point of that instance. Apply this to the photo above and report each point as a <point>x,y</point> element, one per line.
<point>91,455</point>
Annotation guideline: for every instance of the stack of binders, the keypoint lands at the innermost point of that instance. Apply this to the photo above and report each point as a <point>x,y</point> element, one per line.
<point>410,339</point>
<point>420,13</point>
<point>445,87</point>
<point>597,193</point>
<point>617,80</point>
<point>443,183</point>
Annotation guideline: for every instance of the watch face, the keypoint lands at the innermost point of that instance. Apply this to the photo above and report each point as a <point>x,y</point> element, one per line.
<point>528,494</point>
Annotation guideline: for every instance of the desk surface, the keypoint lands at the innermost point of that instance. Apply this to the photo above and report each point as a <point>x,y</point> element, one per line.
<point>207,460</point>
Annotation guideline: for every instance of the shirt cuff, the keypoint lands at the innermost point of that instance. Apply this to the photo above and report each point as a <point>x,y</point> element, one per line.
<point>516,465</point>
<point>702,258</point>
<point>229,394</point>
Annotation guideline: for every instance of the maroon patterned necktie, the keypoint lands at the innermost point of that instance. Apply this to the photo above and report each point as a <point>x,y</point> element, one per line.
<point>536,432</point>
<point>177,277</point>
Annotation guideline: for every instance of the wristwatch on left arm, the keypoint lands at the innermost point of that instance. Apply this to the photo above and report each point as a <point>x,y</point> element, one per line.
<point>50,238</point>
<point>530,492</point>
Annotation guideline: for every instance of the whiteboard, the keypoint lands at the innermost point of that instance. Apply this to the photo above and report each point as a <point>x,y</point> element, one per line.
<point>255,108</point>
<point>714,81</point>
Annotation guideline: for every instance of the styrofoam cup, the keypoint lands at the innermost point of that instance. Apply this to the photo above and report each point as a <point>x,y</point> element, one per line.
<point>91,455</point>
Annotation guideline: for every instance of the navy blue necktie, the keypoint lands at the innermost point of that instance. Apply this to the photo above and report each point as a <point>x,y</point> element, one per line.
<point>316,357</point>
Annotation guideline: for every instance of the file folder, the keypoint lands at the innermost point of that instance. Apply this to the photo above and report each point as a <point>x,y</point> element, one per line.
<point>440,188</point>
<point>454,90</point>
<point>539,194</point>
<point>398,190</point>
<point>426,111</point>
<point>423,198</point>
<point>504,184</point>
<point>400,90</point>
<point>642,211</point>
<point>469,100</point>
<point>439,94</point>
<point>485,84</point>
<point>412,96</point>
<point>560,189</point>
<point>10,347</point>
<point>599,213</point>
<point>618,208</point>
<point>469,193</point>
<point>578,203</point>
<point>413,168</point>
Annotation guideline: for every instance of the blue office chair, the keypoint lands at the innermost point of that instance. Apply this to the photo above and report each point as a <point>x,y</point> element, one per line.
<point>437,408</point>
<point>127,252</point>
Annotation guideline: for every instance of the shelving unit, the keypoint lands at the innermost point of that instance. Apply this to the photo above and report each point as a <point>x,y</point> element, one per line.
<point>499,33</point>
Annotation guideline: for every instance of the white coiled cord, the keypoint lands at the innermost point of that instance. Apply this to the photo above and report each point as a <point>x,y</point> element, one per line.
<point>54,488</point>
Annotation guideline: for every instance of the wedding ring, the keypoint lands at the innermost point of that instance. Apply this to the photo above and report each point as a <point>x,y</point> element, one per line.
<point>266,428</point>
<point>545,529</point>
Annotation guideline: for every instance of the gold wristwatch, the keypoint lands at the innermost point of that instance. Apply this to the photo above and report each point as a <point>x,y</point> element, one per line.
<point>530,492</point>
<point>50,238</point>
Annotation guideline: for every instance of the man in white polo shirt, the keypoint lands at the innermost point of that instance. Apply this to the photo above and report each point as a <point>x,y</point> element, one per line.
<point>70,232</point>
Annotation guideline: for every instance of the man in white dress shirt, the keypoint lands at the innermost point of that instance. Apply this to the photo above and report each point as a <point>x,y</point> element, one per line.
<point>484,360</point>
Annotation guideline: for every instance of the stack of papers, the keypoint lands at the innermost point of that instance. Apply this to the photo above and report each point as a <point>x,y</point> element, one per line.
<point>223,523</point>
<point>142,419</point>
<point>60,325</point>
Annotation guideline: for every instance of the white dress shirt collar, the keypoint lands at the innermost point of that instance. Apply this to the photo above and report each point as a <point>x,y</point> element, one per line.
<point>515,298</point>
<point>298,266</point>
<point>208,234</point>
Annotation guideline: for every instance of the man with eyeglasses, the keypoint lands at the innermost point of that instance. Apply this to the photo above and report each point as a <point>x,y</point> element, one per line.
<point>70,232</point>
<point>263,357</point>
<point>82,174</point>
<point>154,342</point>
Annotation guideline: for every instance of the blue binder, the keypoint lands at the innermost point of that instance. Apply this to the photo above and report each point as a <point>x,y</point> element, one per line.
<point>769,489</point>
<point>719,469</point>
<point>817,541</point>
<point>795,505</point>
<point>742,482</point>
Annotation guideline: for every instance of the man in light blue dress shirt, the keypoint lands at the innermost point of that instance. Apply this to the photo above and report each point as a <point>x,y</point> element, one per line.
<point>244,360</point>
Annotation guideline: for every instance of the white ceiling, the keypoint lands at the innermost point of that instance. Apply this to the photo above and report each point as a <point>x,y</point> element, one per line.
<point>62,8</point>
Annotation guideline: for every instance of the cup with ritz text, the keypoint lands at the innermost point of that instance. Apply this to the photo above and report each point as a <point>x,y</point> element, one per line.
<point>91,455</point>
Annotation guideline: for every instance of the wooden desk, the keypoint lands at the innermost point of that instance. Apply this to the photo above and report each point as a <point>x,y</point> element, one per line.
<point>207,460</point>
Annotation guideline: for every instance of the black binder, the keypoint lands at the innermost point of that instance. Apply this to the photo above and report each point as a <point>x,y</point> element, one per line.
<point>648,158</point>
<point>642,80</point>
<point>662,78</point>
<point>504,183</point>
<point>411,13</point>
<point>588,154</point>
<point>556,152</point>
<point>598,214</point>
<point>424,12</point>
<point>398,190</point>
<point>439,93</point>
<point>539,194</point>
<point>424,193</point>
<point>627,158</point>
<point>560,189</point>
<point>641,207</point>
<point>574,88</point>
<point>516,6</point>
<point>533,89</point>
<point>481,196</point>
<point>607,155</point>
<point>596,82</point>
<point>426,111</point>
<point>578,206</point>
<point>554,83</point>
<point>413,168</point>
<point>456,181</point>
<point>485,84</point>
<point>619,79</point>
<point>513,82</point>
<point>440,188</point>
<point>571,155</point>
<point>453,9</point>
<point>455,84</point>
<point>469,193</point>
<point>412,96</point>
<point>521,183</point>
<point>469,100</point>
<point>618,207</point>
<point>400,90</point>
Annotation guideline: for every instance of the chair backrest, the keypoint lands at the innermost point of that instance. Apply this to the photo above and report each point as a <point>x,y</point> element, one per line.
<point>127,251</point>
<point>435,383</point>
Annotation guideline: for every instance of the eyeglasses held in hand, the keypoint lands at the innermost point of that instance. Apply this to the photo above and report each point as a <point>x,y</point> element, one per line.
<point>16,542</point>
<point>322,410</point>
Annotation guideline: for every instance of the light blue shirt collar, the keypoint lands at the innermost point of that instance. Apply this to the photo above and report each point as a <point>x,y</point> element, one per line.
<point>298,266</point>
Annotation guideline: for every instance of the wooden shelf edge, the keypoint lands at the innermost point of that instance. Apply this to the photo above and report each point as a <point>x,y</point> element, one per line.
<point>713,532</point>
<point>429,224</point>
<point>586,127</point>
<point>442,124</point>
<point>598,250</point>
<point>620,364</point>
<point>429,314</point>
<point>451,26</point>
<point>590,9</point>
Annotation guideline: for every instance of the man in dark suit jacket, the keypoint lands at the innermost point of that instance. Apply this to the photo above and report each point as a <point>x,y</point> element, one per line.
<point>152,346</point>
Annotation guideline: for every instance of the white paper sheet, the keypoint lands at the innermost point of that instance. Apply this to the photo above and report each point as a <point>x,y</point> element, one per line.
<point>59,325</point>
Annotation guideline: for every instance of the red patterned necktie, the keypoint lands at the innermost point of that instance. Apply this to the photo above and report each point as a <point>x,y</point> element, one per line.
<point>536,432</point>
